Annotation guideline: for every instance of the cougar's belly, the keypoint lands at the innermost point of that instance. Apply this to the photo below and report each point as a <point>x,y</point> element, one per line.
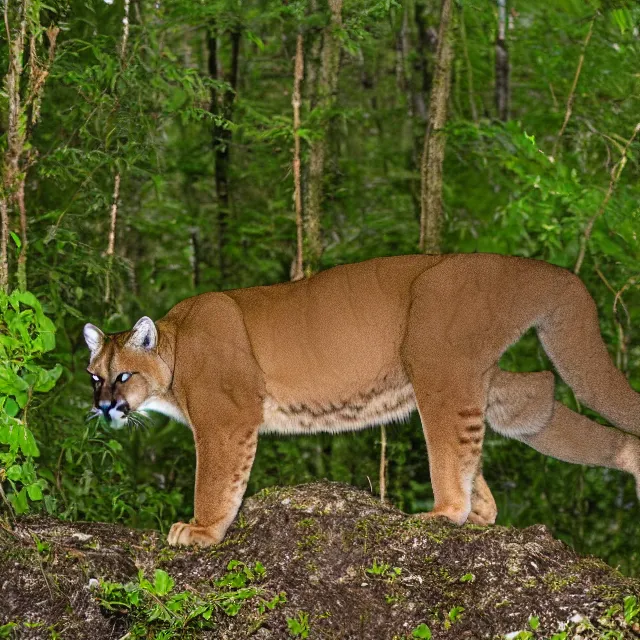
<point>390,400</point>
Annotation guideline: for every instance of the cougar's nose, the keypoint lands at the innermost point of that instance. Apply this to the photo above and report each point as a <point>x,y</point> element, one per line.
<point>106,407</point>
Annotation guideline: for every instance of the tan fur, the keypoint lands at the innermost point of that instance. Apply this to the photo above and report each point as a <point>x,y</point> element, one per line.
<point>364,344</point>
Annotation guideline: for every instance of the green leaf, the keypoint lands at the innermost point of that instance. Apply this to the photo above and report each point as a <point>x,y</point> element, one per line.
<point>163,582</point>
<point>19,501</point>
<point>114,445</point>
<point>47,379</point>
<point>14,472</point>
<point>26,441</point>
<point>22,398</point>
<point>34,491</point>
<point>421,631</point>
<point>11,407</point>
<point>26,297</point>
<point>16,239</point>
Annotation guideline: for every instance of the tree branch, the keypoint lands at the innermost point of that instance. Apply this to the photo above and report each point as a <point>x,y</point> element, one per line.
<point>615,175</point>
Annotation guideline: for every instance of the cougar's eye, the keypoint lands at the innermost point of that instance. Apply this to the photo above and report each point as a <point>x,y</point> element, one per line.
<point>96,378</point>
<point>123,377</point>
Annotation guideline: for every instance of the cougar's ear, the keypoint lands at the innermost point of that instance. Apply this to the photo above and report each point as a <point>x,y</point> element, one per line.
<point>144,335</point>
<point>93,337</point>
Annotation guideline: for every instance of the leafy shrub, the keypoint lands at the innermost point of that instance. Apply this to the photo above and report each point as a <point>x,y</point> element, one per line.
<point>25,335</point>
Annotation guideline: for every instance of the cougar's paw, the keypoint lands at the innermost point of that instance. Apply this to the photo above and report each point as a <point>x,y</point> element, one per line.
<point>482,517</point>
<point>457,516</point>
<point>189,534</point>
<point>483,511</point>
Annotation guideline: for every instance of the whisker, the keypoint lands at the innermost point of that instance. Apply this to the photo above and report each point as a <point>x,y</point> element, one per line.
<point>138,420</point>
<point>92,415</point>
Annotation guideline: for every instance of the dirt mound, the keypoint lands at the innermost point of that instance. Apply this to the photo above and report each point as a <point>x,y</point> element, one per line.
<point>316,561</point>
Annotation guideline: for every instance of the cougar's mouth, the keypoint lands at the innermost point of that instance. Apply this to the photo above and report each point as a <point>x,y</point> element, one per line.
<point>117,416</point>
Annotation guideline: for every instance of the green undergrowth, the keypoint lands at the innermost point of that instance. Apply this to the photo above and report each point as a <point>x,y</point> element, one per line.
<point>616,624</point>
<point>156,609</point>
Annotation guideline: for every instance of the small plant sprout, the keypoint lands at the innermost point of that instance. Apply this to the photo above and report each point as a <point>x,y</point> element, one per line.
<point>299,626</point>
<point>421,631</point>
<point>378,569</point>
<point>453,616</point>
<point>631,609</point>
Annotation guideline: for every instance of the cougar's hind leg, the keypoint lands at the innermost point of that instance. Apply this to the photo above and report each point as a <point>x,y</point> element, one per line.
<point>523,402</point>
<point>520,403</point>
<point>521,406</point>
<point>571,337</point>
<point>451,407</point>
<point>483,507</point>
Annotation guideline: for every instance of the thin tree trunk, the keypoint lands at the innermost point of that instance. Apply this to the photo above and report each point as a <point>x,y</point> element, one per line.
<point>113,219</point>
<point>18,157</point>
<point>427,42</point>
<point>467,59</point>
<point>435,138</point>
<point>24,240</point>
<point>502,64</point>
<point>383,464</point>
<point>572,92</point>
<point>327,85</point>
<point>125,33</point>
<point>195,263</point>
<point>111,247</point>
<point>615,176</point>
<point>15,136</point>
<point>298,266</point>
<point>4,241</point>
<point>222,108</point>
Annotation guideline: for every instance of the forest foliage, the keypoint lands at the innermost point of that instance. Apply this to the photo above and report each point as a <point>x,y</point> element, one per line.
<point>147,154</point>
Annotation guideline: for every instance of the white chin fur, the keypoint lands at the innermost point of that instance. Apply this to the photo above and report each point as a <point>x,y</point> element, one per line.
<point>118,419</point>
<point>163,406</point>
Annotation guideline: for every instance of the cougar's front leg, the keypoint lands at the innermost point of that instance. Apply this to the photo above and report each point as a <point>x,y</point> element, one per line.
<point>224,455</point>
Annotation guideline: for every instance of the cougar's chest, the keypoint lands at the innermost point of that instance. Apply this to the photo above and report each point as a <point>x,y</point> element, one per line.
<point>389,400</point>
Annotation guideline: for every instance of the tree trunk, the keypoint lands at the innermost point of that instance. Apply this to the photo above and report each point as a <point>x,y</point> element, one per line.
<point>467,59</point>
<point>15,138</point>
<point>502,64</point>
<point>23,112</point>
<point>113,217</point>
<point>222,109</point>
<point>427,41</point>
<point>111,246</point>
<point>4,241</point>
<point>572,92</point>
<point>326,89</point>
<point>435,139</point>
<point>297,272</point>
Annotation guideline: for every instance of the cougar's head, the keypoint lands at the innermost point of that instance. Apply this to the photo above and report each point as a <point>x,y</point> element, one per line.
<point>126,370</point>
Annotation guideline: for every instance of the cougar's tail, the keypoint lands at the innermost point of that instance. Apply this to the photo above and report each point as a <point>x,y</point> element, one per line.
<point>571,337</point>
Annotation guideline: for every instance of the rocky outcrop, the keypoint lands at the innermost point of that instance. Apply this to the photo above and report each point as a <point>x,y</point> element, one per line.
<point>316,561</point>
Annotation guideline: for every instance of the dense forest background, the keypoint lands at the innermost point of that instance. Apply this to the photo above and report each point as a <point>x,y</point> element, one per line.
<point>152,150</point>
